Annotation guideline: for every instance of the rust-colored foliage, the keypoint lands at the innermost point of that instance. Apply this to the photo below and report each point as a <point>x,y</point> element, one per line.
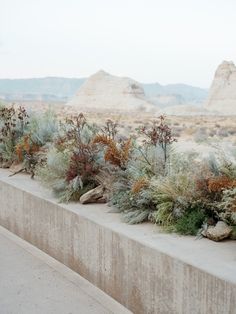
<point>83,161</point>
<point>126,150</point>
<point>102,139</point>
<point>139,185</point>
<point>158,134</point>
<point>19,152</point>
<point>218,184</point>
<point>117,156</point>
<point>26,144</point>
<point>72,136</point>
<point>82,165</point>
<point>214,185</point>
<point>26,147</point>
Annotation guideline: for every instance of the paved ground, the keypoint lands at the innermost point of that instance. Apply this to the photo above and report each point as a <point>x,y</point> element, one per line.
<point>31,282</point>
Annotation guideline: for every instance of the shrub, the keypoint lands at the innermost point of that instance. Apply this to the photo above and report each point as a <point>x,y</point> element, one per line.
<point>190,223</point>
<point>158,134</point>
<point>13,125</point>
<point>144,177</point>
<point>71,166</point>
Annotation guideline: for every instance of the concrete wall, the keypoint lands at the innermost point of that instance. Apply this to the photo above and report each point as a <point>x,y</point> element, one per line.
<point>145,278</point>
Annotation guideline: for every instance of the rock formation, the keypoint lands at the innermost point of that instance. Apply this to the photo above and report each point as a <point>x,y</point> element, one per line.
<point>222,94</point>
<point>103,91</point>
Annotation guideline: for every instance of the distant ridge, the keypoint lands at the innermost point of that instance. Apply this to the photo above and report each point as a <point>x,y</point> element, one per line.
<point>175,94</point>
<point>64,89</point>
<point>39,88</point>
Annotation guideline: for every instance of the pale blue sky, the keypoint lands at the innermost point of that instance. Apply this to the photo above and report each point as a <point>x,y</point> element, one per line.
<point>168,41</point>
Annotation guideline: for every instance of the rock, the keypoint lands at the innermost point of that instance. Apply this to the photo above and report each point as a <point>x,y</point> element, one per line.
<point>95,195</point>
<point>222,94</point>
<point>105,92</point>
<point>5,164</point>
<point>218,232</point>
<point>16,167</point>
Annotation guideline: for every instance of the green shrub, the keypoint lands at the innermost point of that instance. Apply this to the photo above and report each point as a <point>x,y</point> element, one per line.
<point>190,222</point>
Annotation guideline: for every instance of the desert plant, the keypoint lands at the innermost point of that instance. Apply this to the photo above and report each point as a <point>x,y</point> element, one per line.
<point>13,125</point>
<point>191,222</point>
<point>158,134</point>
<point>43,127</point>
<point>116,153</point>
<point>144,177</point>
<point>52,171</point>
<point>226,208</point>
<point>75,148</point>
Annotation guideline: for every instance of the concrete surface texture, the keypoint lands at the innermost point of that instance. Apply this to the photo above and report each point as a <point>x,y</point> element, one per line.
<point>33,282</point>
<point>143,269</point>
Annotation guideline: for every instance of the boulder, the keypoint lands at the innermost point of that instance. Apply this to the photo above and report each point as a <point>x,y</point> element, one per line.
<point>16,167</point>
<point>95,195</point>
<point>218,232</point>
<point>5,164</point>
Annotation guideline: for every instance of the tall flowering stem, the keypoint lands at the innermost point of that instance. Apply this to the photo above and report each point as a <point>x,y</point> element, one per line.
<point>158,134</point>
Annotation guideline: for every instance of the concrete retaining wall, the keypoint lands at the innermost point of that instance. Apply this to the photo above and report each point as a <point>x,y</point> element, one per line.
<point>141,268</point>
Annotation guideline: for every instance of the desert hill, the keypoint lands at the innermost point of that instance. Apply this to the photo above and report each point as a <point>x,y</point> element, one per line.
<point>103,91</point>
<point>174,94</point>
<point>222,94</point>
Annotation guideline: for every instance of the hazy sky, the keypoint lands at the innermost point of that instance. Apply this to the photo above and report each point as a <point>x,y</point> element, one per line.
<point>169,41</point>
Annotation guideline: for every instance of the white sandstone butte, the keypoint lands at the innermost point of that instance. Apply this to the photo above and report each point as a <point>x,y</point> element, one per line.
<point>222,94</point>
<point>105,92</point>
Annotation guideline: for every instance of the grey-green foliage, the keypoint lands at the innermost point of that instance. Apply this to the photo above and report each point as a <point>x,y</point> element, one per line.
<point>149,160</point>
<point>134,207</point>
<point>145,163</point>
<point>170,190</point>
<point>43,127</point>
<point>53,173</point>
<point>220,163</point>
<point>12,128</point>
<point>7,150</point>
<point>135,216</point>
<point>85,133</point>
<point>213,164</point>
<point>227,206</point>
<point>173,193</point>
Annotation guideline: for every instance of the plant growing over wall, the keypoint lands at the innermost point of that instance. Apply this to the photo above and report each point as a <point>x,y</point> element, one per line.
<point>145,179</point>
<point>147,163</point>
<point>32,145</point>
<point>226,208</point>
